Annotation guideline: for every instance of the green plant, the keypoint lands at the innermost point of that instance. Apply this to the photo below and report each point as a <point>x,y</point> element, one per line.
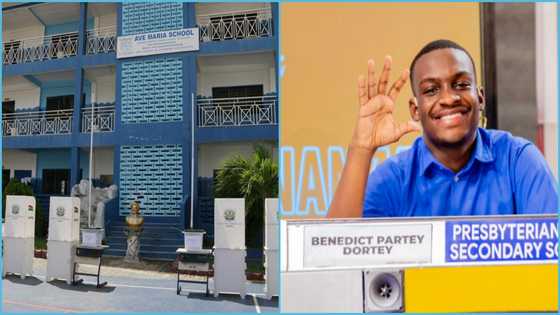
<point>254,179</point>
<point>17,188</point>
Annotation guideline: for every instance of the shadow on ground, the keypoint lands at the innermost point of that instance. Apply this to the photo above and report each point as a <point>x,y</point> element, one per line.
<point>26,281</point>
<point>83,287</point>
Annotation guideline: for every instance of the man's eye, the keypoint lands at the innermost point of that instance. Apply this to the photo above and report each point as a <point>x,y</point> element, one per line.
<point>463,85</point>
<point>430,91</point>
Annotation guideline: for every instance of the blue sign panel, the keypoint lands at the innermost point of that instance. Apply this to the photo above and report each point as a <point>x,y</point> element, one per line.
<point>501,240</point>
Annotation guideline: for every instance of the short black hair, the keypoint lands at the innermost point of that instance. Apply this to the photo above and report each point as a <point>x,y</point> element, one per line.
<point>435,45</point>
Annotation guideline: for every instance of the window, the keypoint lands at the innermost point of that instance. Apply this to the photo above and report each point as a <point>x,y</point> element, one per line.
<point>56,181</point>
<point>5,178</point>
<point>21,174</point>
<point>237,91</point>
<point>106,180</point>
<point>8,107</point>
<point>60,102</point>
<point>13,45</point>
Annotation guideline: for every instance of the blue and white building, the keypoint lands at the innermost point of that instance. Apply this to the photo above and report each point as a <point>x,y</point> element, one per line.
<point>60,61</point>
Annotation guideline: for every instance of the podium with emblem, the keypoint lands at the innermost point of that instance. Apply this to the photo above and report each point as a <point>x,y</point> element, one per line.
<point>229,246</point>
<point>64,237</point>
<point>19,235</point>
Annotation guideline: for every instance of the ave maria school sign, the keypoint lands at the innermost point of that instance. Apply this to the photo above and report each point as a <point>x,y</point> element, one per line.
<point>164,42</point>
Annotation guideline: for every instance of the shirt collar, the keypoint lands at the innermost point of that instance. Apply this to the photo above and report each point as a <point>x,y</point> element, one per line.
<point>482,152</point>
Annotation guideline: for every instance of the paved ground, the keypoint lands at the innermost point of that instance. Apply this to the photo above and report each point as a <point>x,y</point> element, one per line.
<point>128,290</point>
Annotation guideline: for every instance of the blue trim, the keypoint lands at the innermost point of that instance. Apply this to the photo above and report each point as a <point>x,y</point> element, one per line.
<point>189,15</point>
<point>238,46</point>
<point>74,165</point>
<point>119,19</point>
<point>276,23</point>
<point>246,133</point>
<point>68,27</point>
<point>60,64</point>
<point>40,67</point>
<point>30,9</point>
<point>82,24</point>
<point>36,142</point>
<point>118,77</point>
<point>118,93</point>
<point>33,80</point>
<point>52,159</point>
<point>98,60</point>
<point>113,214</point>
<point>150,133</point>
<point>78,90</point>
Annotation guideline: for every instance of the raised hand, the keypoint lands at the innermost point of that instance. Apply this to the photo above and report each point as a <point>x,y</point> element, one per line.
<point>376,125</point>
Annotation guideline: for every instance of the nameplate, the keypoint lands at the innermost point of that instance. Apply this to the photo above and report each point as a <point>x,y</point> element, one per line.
<point>367,244</point>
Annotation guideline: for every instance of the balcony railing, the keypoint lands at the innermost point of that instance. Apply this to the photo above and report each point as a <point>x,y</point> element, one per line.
<point>235,25</point>
<point>57,46</point>
<point>103,118</point>
<point>53,122</point>
<point>239,111</point>
<point>49,47</point>
<point>101,40</point>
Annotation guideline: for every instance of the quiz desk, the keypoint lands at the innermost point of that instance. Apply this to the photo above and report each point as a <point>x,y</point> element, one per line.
<point>427,264</point>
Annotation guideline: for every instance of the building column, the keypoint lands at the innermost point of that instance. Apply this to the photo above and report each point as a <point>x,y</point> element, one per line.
<point>74,166</point>
<point>118,76</point>
<point>82,29</point>
<point>113,211</point>
<point>189,15</point>
<point>78,90</point>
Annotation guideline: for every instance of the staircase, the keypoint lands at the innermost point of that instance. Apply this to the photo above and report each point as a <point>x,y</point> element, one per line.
<point>158,241</point>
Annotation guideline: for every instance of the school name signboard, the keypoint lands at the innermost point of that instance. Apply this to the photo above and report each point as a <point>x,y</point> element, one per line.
<point>154,43</point>
<point>403,242</point>
<point>363,245</point>
<point>503,240</point>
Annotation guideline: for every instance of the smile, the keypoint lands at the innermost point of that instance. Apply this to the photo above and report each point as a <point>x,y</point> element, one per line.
<point>451,117</point>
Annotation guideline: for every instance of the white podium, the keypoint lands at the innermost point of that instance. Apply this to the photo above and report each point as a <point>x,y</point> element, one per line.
<point>64,237</point>
<point>229,246</point>
<point>271,247</point>
<point>19,239</point>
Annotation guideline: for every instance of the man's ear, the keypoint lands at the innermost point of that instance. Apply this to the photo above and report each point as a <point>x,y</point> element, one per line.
<point>481,98</point>
<point>413,108</point>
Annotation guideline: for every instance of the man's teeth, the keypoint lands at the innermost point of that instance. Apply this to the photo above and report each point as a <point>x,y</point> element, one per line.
<point>450,116</point>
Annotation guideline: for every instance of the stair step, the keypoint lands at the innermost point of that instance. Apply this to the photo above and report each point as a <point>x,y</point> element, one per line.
<point>157,255</point>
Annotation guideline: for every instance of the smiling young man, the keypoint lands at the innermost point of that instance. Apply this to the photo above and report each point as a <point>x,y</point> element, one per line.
<point>455,168</point>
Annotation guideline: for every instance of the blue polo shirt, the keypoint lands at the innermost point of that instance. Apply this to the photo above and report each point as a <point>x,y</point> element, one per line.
<point>505,175</point>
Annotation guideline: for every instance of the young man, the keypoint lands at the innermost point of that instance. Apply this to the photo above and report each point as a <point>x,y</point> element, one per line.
<point>455,168</point>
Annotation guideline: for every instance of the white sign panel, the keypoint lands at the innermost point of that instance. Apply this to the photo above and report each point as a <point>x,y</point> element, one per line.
<point>352,245</point>
<point>163,42</point>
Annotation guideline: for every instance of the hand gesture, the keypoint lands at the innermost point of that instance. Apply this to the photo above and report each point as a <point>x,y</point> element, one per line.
<point>376,125</point>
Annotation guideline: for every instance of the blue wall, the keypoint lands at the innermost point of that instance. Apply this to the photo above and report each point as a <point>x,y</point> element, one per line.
<point>66,27</point>
<point>52,159</point>
<point>84,163</point>
<point>59,88</point>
